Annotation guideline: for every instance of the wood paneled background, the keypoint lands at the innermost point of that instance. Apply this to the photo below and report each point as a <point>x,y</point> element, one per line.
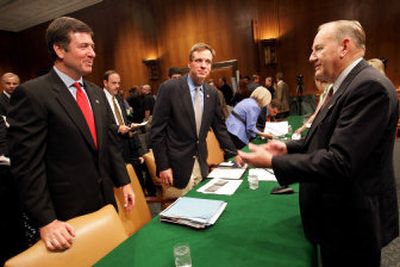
<point>129,31</point>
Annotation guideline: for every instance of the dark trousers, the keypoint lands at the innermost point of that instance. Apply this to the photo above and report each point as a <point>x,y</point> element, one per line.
<point>12,233</point>
<point>349,258</point>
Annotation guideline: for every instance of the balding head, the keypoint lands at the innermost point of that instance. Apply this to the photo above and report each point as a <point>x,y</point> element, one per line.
<point>9,81</point>
<point>336,45</point>
<point>347,29</point>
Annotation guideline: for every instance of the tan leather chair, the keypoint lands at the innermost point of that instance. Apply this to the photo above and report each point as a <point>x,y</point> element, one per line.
<point>151,167</point>
<point>140,214</point>
<point>215,153</point>
<point>97,234</point>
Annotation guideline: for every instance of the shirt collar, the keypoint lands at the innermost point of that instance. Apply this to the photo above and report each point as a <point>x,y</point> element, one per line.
<point>192,86</point>
<point>68,81</point>
<point>107,93</point>
<point>344,74</point>
<point>7,94</point>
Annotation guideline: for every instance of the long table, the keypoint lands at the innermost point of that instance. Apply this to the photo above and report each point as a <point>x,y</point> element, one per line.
<point>256,229</point>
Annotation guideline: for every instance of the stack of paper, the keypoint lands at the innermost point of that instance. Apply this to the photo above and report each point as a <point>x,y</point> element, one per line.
<point>193,212</point>
<point>277,128</point>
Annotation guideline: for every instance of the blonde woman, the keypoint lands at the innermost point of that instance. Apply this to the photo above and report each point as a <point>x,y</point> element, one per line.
<point>323,88</point>
<point>241,123</point>
<point>377,64</point>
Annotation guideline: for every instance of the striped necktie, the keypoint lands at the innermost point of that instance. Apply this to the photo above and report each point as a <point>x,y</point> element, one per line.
<point>328,98</point>
<point>120,120</point>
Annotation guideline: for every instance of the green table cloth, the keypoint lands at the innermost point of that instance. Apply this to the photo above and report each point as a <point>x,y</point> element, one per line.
<point>256,229</point>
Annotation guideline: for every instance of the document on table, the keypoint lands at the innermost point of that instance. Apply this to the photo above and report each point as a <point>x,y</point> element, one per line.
<point>220,187</point>
<point>227,173</point>
<point>263,174</point>
<point>193,212</point>
<point>277,128</point>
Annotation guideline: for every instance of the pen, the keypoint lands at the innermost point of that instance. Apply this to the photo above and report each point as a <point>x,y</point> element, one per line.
<point>268,170</point>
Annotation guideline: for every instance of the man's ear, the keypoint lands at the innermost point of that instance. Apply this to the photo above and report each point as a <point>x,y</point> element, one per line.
<point>344,47</point>
<point>60,51</point>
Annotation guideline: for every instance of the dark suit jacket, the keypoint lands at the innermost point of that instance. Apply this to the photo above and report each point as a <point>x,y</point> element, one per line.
<point>59,171</point>
<point>4,104</point>
<point>129,144</point>
<point>173,134</point>
<point>3,139</point>
<point>345,165</point>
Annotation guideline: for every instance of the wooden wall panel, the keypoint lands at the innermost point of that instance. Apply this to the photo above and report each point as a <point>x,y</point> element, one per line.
<point>123,35</point>
<point>128,31</point>
<point>8,54</point>
<point>226,25</point>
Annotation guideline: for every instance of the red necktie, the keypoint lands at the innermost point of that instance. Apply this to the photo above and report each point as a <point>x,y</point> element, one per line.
<point>83,104</point>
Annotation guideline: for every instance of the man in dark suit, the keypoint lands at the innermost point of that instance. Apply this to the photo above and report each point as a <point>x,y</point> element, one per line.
<point>63,151</point>
<point>12,239</point>
<point>183,114</point>
<point>9,81</point>
<point>345,163</point>
<point>129,141</point>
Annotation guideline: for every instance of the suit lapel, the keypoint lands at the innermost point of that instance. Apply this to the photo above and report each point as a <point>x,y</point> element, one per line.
<point>95,102</point>
<point>187,104</point>
<point>71,108</point>
<point>207,108</point>
<point>337,95</point>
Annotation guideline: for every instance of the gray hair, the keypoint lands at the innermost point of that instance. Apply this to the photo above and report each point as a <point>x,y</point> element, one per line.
<point>349,28</point>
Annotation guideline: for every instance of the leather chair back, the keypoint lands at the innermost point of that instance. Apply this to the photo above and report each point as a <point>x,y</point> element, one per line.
<point>97,234</point>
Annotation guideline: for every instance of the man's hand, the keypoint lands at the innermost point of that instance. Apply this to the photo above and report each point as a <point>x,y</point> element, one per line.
<point>57,235</point>
<point>276,148</point>
<point>258,157</point>
<point>167,177</point>
<point>129,197</point>
<point>123,129</point>
<point>239,161</point>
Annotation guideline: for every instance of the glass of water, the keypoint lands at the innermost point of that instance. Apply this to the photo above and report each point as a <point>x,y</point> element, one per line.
<point>253,181</point>
<point>182,255</point>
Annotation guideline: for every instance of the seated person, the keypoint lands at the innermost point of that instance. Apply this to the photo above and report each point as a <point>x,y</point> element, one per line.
<point>268,113</point>
<point>241,123</point>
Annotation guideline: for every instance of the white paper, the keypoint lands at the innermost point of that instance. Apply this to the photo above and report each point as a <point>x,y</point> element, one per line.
<point>263,174</point>
<point>228,188</point>
<point>4,161</point>
<point>277,128</point>
<point>227,173</point>
<point>133,125</point>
